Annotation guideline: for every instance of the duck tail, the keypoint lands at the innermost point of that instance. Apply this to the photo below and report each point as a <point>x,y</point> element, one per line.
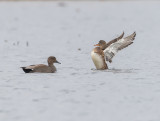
<point>26,70</point>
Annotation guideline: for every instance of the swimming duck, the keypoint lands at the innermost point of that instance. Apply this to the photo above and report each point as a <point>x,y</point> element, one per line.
<point>41,68</point>
<point>106,51</point>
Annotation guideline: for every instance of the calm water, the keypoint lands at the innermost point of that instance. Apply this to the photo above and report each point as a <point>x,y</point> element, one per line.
<point>32,31</point>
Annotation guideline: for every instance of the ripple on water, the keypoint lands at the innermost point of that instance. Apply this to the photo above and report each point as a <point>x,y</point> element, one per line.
<point>113,70</point>
<point>122,70</point>
<point>66,91</point>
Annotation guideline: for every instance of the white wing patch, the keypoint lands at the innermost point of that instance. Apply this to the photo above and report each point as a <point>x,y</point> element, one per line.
<point>110,51</point>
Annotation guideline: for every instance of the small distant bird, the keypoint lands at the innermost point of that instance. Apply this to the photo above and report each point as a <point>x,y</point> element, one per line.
<point>106,51</point>
<point>41,68</point>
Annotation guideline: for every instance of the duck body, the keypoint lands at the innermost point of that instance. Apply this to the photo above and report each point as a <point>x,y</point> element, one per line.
<point>41,68</point>
<point>98,59</point>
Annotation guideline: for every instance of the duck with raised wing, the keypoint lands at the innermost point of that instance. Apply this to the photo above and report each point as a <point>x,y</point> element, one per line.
<point>41,68</point>
<point>106,51</point>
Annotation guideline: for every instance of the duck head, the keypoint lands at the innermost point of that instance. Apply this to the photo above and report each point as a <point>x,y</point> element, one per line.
<point>52,60</point>
<point>102,44</point>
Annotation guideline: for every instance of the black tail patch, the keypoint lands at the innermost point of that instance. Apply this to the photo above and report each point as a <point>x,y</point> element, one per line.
<point>26,70</point>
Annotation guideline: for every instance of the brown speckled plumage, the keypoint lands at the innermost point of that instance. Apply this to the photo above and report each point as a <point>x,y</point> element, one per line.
<point>107,51</point>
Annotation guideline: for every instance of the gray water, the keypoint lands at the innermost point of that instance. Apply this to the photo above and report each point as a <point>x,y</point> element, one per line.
<point>30,32</point>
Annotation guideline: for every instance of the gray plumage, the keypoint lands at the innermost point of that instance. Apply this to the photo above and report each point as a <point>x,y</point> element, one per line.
<point>41,68</point>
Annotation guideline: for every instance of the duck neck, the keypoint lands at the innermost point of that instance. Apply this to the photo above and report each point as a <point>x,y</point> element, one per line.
<point>53,68</point>
<point>50,63</point>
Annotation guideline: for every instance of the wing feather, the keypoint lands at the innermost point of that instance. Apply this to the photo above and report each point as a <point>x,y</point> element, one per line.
<point>111,50</point>
<point>115,40</point>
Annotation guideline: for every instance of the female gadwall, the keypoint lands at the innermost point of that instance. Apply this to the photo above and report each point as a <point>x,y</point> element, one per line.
<point>106,51</point>
<point>41,68</point>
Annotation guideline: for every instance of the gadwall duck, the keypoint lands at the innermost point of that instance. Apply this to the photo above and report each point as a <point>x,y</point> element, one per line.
<point>41,68</point>
<point>106,51</point>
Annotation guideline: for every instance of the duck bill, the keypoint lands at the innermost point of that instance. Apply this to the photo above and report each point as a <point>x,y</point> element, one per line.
<point>97,45</point>
<point>58,62</point>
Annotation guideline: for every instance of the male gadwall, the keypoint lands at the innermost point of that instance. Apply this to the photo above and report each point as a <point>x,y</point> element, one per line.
<point>106,51</point>
<point>41,68</point>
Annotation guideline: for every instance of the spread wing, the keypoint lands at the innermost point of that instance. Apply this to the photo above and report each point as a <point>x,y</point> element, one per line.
<point>113,48</point>
<point>115,40</point>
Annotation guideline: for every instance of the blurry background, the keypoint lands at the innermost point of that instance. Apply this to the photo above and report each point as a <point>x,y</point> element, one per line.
<point>30,32</point>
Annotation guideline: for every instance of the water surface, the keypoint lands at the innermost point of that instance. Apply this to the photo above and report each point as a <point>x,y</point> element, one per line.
<point>32,31</point>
